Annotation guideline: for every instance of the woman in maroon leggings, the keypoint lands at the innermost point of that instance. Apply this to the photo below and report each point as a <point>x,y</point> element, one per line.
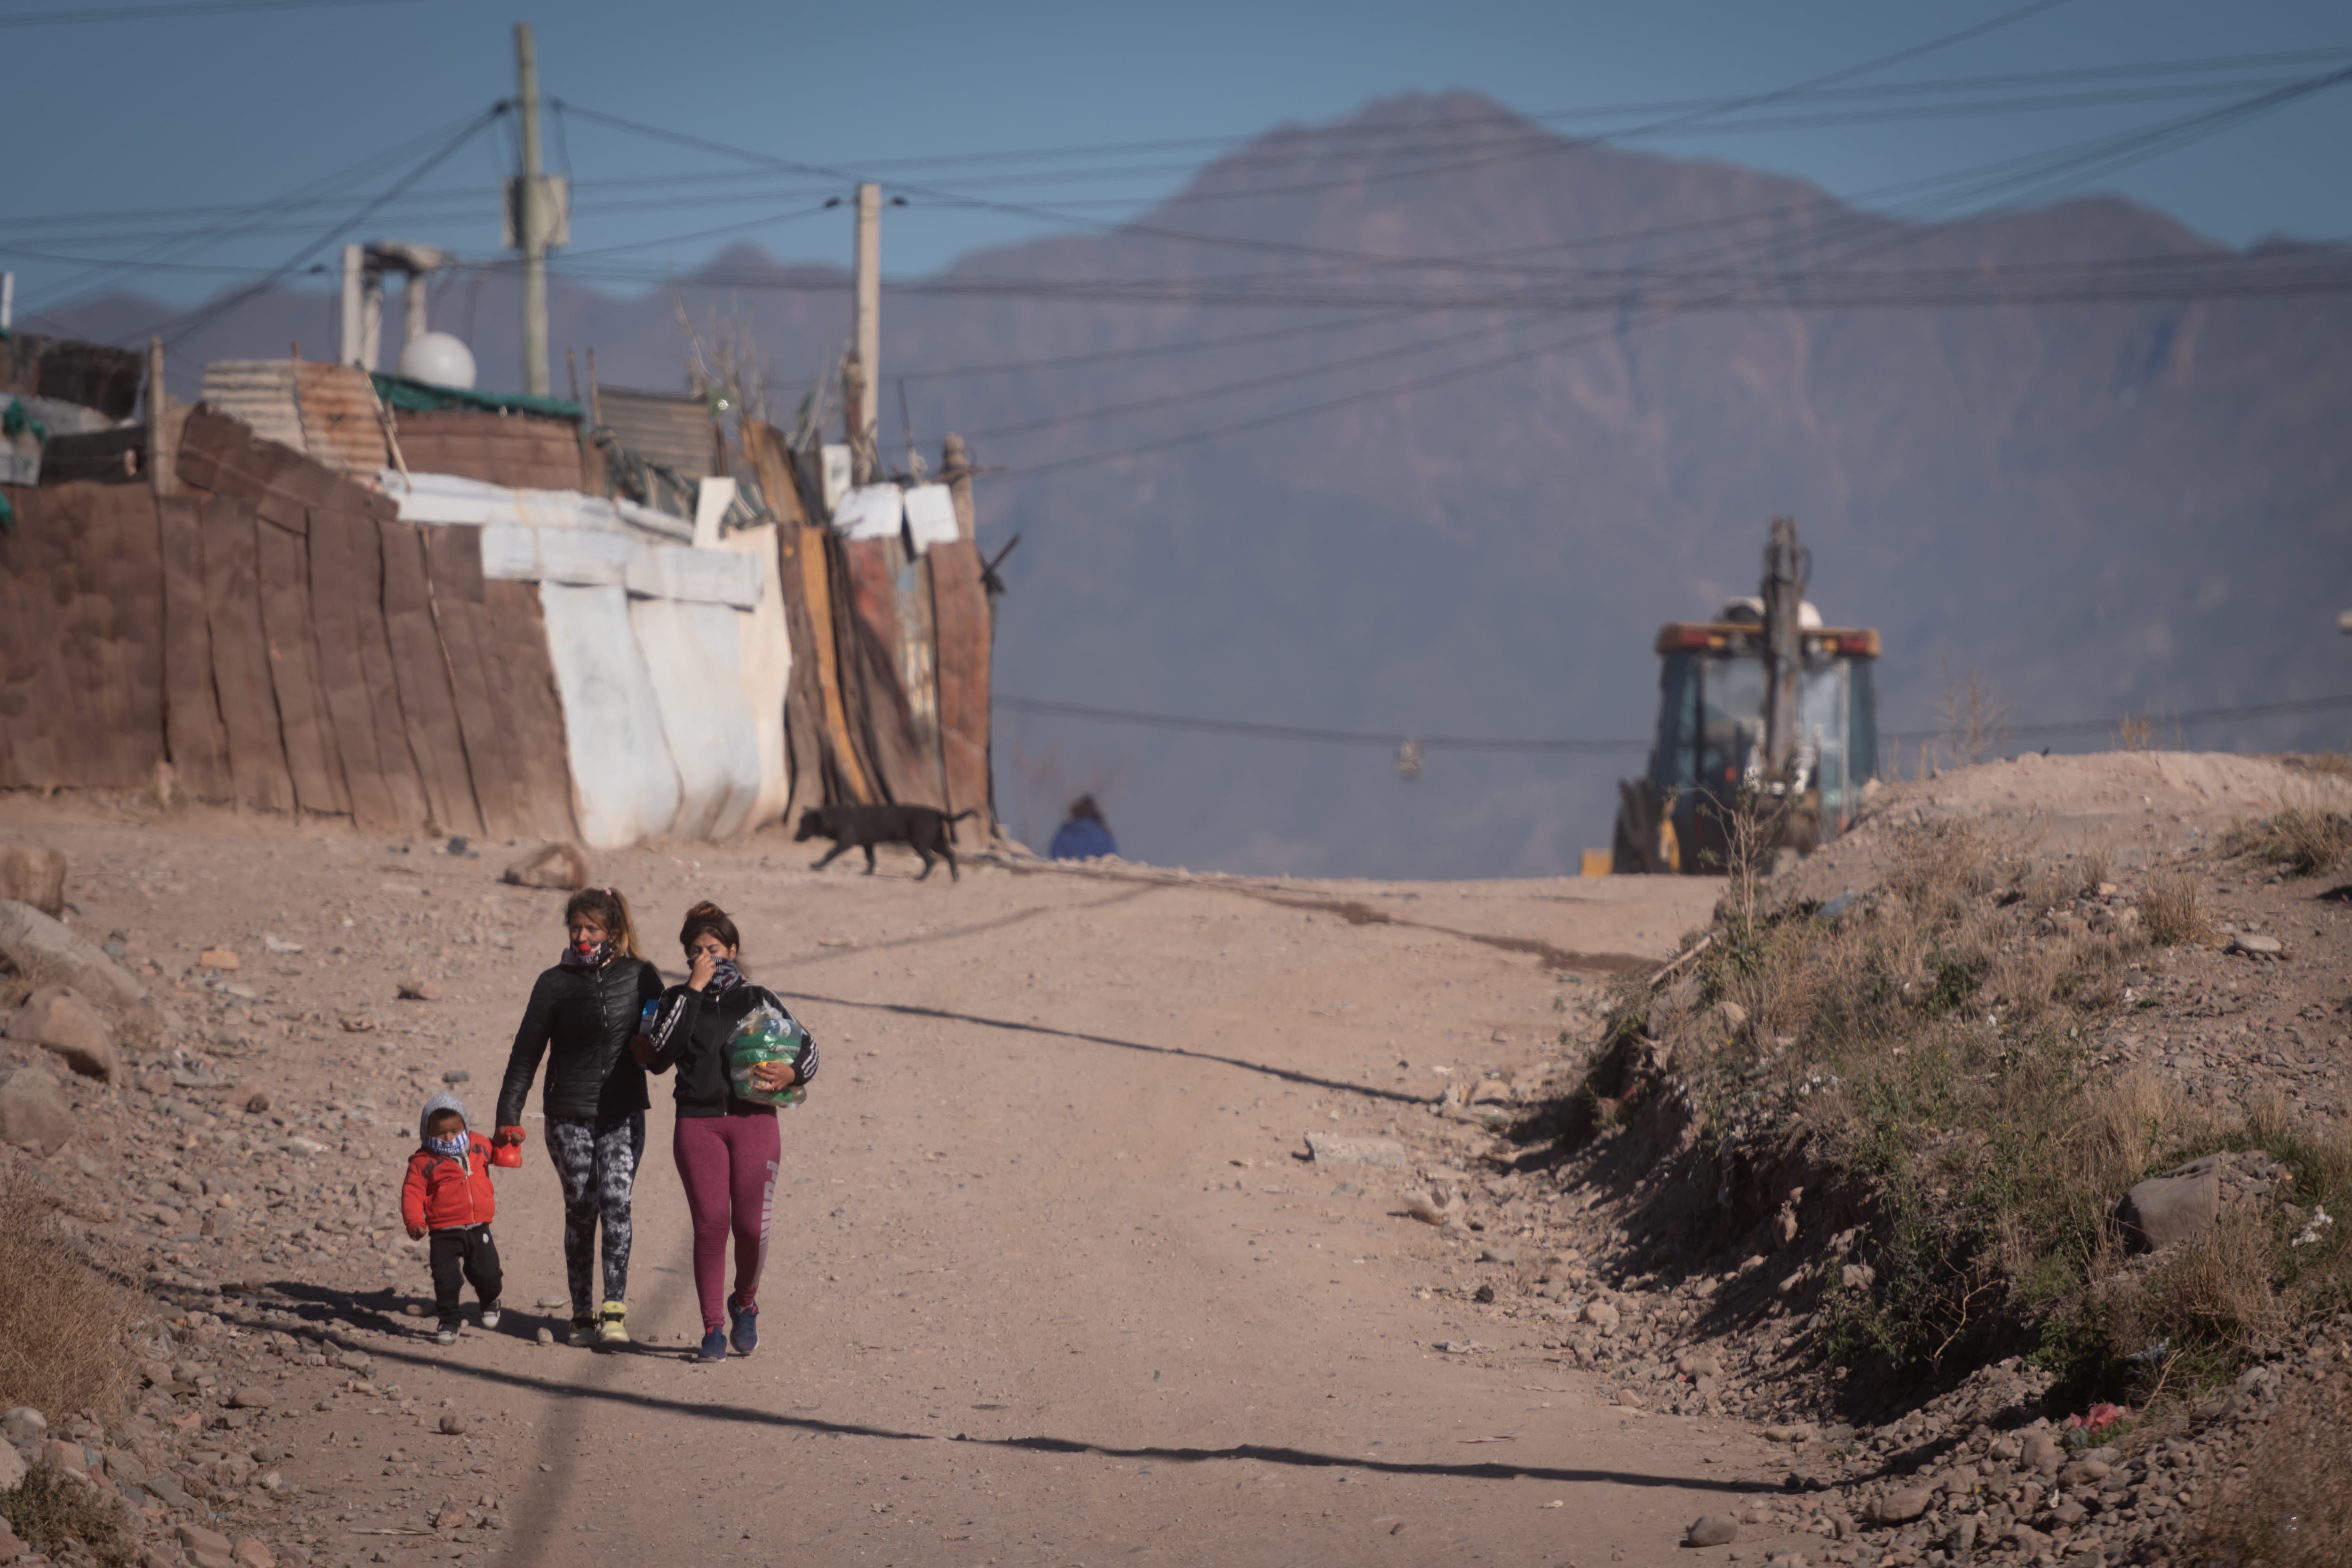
<point>726,1146</point>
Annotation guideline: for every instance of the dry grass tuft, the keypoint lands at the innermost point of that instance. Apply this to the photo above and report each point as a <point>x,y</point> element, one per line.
<point>2301,839</point>
<point>62,1321</point>
<point>50,1509</point>
<point>2173,913</point>
<point>2293,1509</point>
<point>2214,1292</point>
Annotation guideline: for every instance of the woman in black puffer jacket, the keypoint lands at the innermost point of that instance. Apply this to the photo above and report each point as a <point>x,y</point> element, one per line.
<point>582,1015</point>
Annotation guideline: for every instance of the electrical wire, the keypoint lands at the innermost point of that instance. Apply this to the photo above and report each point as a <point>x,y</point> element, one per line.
<point>167,13</point>
<point>1389,740</point>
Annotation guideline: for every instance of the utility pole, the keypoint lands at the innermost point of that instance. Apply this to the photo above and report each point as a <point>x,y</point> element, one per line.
<point>867,336</point>
<point>530,227</point>
<point>1787,566</point>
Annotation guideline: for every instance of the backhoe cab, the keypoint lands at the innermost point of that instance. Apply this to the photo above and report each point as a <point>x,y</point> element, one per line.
<point>1763,705</point>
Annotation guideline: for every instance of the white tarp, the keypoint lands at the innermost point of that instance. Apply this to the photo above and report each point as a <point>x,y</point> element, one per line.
<point>932,516</point>
<point>869,511</point>
<point>449,498</point>
<point>589,557</point>
<point>694,653</point>
<point>767,672</point>
<point>698,576</point>
<point>624,786</point>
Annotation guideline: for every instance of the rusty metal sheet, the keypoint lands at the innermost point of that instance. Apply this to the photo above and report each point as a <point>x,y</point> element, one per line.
<point>529,709</point>
<point>248,700</point>
<point>90,375</point>
<point>421,666</point>
<point>962,635</point>
<point>258,393</point>
<point>339,611</point>
<point>195,739</point>
<point>453,557</point>
<point>518,451</point>
<point>35,562</point>
<point>664,428</point>
<point>873,689</point>
<point>811,690</point>
<point>340,425</point>
<point>403,777</point>
<point>313,760</point>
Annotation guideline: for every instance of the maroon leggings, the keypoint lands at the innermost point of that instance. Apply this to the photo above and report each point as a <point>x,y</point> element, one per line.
<point>729,1165</point>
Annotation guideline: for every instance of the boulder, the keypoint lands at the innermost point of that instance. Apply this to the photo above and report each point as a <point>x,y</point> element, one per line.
<point>560,866</point>
<point>34,1114</point>
<point>2174,1206</point>
<point>35,877</point>
<point>32,944</point>
<point>1331,1149</point>
<point>1600,1314</point>
<point>59,1020</point>
<point>1712,1530</point>
<point>12,1468</point>
<point>1901,1505</point>
<point>2042,1451</point>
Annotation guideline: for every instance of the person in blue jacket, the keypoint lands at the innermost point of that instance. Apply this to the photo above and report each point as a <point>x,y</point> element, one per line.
<point>1084,835</point>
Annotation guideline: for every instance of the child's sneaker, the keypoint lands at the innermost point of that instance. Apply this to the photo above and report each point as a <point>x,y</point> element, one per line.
<point>746,1337</point>
<point>446,1334</point>
<point>614,1328</point>
<point>714,1346</point>
<point>583,1331</point>
<point>491,1313</point>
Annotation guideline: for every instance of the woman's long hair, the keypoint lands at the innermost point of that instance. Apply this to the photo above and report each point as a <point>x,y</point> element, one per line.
<point>607,905</point>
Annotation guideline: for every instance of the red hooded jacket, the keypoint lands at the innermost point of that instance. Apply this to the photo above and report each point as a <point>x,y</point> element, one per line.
<point>443,1193</point>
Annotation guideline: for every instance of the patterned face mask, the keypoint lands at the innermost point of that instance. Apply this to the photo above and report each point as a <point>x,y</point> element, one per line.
<point>587,955</point>
<point>452,1147</point>
<point>724,975</point>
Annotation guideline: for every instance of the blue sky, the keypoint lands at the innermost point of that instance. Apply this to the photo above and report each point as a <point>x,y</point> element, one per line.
<point>130,119</point>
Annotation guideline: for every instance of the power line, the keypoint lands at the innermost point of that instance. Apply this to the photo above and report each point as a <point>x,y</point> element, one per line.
<point>165,12</point>
<point>1389,740</point>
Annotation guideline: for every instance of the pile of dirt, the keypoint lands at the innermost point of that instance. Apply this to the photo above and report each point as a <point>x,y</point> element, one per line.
<point>1852,1168</point>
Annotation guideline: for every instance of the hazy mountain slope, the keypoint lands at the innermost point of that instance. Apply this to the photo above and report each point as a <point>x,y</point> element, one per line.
<point>2105,509</point>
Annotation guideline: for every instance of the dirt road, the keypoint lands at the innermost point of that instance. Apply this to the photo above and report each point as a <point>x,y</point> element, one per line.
<point>1051,1281</point>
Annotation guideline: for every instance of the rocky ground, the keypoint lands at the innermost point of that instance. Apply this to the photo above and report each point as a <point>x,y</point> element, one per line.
<point>1059,1276</point>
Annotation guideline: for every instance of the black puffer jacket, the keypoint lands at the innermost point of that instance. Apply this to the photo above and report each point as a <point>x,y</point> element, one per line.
<point>691,1031</point>
<point>582,1020</point>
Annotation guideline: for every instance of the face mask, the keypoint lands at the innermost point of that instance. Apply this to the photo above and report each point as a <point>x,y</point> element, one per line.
<point>589,954</point>
<point>723,975</point>
<point>452,1147</point>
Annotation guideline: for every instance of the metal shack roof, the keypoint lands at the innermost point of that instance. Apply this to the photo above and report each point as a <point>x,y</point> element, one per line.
<point>89,375</point>
<point>325,411</point>
<point>664,428</point>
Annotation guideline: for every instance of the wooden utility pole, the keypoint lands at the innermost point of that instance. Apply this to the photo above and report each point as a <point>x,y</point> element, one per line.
<point>867,337</point>
<point>956,466</point>
<point>159,449</point>
<point>530,228</point>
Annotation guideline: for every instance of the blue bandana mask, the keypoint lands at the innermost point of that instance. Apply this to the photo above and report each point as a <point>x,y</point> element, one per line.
<point>452,1147</point>
<point>724,976</point>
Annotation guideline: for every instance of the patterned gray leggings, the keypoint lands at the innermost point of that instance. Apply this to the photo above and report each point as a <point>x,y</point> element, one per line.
<point>597,1164</point>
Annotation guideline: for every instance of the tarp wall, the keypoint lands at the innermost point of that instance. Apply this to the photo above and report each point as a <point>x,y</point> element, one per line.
<point>627,787</point>
<point>766,673</point>
<point>694,653</point>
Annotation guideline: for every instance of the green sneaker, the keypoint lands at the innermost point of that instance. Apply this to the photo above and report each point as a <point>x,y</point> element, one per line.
<point>614,1328</point>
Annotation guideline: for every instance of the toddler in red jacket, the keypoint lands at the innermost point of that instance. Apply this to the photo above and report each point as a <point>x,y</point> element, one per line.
<point>448,1193</point>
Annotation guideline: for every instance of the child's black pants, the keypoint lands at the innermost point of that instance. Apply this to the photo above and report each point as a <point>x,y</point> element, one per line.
<point>465,1255</point>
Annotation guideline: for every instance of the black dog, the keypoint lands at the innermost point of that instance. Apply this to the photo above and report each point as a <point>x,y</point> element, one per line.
<point>922,828</point>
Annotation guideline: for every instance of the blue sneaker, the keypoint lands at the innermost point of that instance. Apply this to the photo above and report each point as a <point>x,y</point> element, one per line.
<point>714,1346</point>
<point>746,1337</point>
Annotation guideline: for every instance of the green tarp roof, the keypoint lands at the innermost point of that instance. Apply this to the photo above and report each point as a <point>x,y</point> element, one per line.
<point>406,396</point>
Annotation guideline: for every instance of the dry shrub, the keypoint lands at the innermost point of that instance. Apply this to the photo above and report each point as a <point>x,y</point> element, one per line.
<point>2293,1509</point>
<point>2266,1115</point>
<point>2214,1291</point>
<point>2136,733</point>
<point>2301,839</point>
<point>2173,913</point>
<point>62,1321</point>
<point>49,1508</point>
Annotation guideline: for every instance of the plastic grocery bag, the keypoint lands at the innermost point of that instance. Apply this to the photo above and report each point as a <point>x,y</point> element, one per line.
<point>767,1034</point>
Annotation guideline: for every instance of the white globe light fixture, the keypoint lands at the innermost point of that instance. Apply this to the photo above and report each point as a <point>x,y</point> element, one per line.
<point>438,359</point>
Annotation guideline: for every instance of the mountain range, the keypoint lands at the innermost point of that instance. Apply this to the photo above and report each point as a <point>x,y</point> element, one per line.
<point>1558,387</point>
